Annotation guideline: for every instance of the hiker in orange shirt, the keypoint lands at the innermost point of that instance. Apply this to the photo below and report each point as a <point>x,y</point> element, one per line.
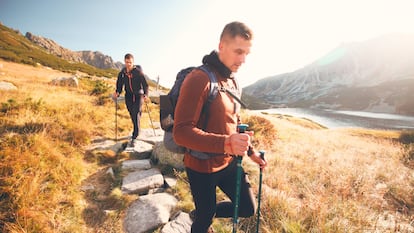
<point>216,134</point>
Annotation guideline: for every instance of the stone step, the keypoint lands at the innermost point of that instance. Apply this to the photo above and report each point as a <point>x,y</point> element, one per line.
<point>136,165</point>
<point>140,182</point>
<point>153,208</point>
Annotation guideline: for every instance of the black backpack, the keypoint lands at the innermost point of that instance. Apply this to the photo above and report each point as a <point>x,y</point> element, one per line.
<point>168,103</point>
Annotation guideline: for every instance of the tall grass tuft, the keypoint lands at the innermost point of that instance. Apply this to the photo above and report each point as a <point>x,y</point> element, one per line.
<point>264,131</point>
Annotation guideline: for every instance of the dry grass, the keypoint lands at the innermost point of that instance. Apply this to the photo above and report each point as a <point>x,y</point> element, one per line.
<point>348,180</point>
<point>43,131</point>
<point>318,180</point>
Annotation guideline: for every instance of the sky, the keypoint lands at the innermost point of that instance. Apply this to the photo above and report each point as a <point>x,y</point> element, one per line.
<point>167,35</point>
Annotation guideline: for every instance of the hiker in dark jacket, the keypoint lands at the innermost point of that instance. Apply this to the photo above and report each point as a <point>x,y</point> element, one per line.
<point>219,138</point>
<point>132,79</point>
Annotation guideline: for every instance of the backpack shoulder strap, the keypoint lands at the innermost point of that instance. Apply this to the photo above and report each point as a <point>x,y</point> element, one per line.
<point>235,96</point>
<point>213,82</point>
<point>214,89</point>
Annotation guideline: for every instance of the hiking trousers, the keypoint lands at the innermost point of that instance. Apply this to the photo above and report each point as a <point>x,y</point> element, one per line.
<point>134,107</point>
<point>203,189</point>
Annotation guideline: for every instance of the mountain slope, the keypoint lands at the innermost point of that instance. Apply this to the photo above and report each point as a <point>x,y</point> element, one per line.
<point>17,48</point>
<point>93,58</point>
<point>375,75</point>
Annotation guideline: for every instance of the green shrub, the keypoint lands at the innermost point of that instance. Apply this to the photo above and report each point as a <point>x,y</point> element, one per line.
<point>8,106</point>
<point>13,105</point>
<point>100,88</point>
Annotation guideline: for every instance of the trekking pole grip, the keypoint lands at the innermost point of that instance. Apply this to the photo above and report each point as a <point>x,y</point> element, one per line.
<point>262,153</point>
<point>242,128</point>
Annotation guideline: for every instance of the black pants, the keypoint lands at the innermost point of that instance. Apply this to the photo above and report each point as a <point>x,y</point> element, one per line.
<point>135,112</point>
<point>203,188</point>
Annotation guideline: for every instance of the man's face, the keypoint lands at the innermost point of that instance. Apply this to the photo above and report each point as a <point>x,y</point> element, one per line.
<point>233,52</point>
<point>129,63</point>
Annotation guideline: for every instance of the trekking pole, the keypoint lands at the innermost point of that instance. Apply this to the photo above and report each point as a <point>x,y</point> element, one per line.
<point>149,115</point>
<point>242,128</point>
<point>260,193</point>
<point>116,120</point>
<point>115,99</point>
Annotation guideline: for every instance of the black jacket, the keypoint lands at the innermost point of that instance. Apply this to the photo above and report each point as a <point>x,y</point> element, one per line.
<point>134,82</point>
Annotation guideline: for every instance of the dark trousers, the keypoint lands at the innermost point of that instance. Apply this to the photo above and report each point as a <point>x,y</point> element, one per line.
<point>135,112</point>
<point>203,188</point>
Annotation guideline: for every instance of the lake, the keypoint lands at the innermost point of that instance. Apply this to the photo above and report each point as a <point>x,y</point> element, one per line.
<point>345,119</point>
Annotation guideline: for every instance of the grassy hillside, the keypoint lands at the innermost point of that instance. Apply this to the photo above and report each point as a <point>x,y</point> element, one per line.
<point>318,180</point>
<point>17,48</point>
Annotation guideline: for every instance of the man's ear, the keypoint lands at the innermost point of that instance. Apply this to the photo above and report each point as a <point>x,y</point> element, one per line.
<point>221,45</point>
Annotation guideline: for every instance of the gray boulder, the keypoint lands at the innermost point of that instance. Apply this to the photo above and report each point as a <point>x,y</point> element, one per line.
<point>65,81</point>
<point>6,86</point>
<point>149,212</point>
<point>164,156</point>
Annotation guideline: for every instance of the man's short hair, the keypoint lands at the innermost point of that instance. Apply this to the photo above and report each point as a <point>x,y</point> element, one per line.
<point>234,29</point>
<point>128,56</point>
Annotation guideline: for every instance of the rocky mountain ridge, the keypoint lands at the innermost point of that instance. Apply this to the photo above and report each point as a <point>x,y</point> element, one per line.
<point>375,75</point>
<point>94,58</point>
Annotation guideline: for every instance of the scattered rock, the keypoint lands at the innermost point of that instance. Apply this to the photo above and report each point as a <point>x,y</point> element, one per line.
<point>69,81</point>
<point>6,86</point>
<point>110,173</point>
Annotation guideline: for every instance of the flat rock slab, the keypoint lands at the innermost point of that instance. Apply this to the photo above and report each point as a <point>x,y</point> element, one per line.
<point>147,134</point>
<point>136,164</point>
<point>140,150</point>
<point>141,182</point>
<point>105,145</point>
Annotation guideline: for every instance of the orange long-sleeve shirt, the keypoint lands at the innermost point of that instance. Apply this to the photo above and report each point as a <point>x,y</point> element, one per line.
<point>223,117</point>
